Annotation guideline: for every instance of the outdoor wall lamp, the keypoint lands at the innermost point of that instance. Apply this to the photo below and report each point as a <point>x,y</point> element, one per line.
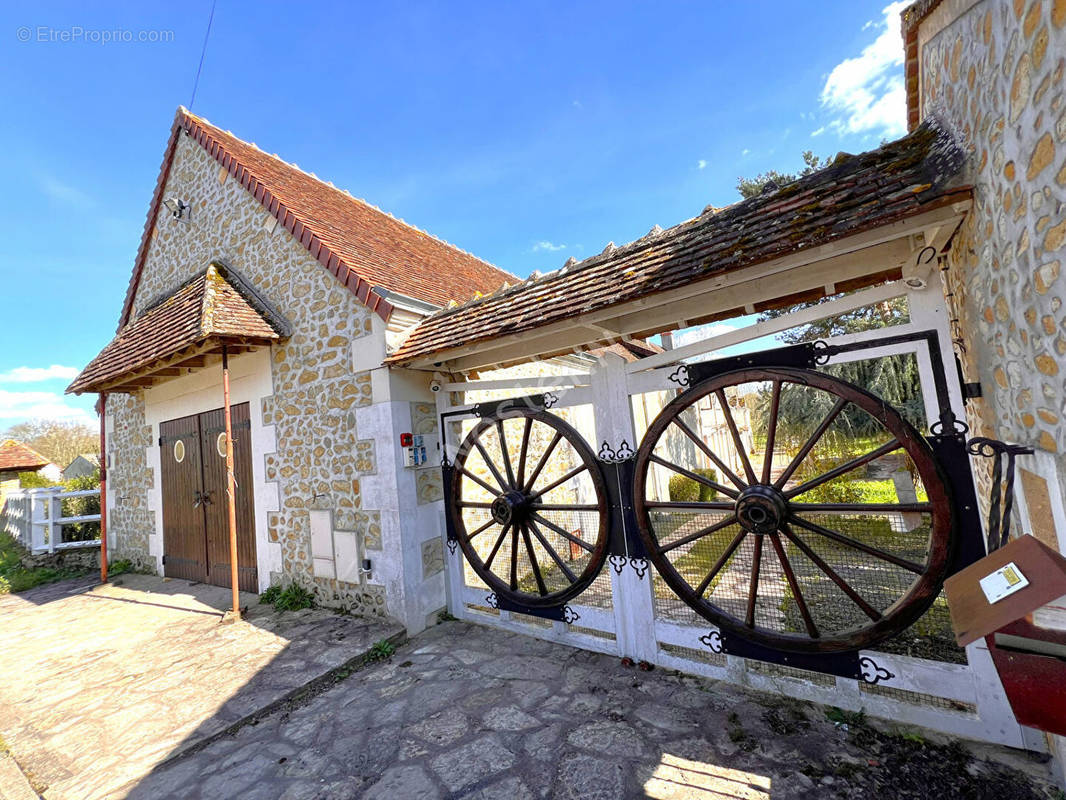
<point>366,570</point>
<point>178,208</point>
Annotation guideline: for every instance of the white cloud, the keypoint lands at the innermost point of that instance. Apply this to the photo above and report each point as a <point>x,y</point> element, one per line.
<point>65,193</point>
<point>701,164</point>
<point>745,151</point>
<point>866,93</point>
<point>38,374</point>
<point>548,247</point>
<point>818,132</point>
<point>17,406</point>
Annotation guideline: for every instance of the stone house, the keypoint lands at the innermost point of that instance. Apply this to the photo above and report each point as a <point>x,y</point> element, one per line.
<point>306,286</point>
<point>337,319</point>
<point>993,71</point>
<point>83,465</point>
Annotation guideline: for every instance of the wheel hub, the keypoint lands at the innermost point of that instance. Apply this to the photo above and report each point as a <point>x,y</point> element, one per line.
<point>509,507</point>
<point>761,508</point>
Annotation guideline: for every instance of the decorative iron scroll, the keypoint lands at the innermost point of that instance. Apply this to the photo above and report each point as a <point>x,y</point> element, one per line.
<point>999,524</point>
<point>609,455</point>
<point>618,563</point>
<point>713,640</point>
<point>679,375</point>
<point>640,566</point>
<point>872,672</point>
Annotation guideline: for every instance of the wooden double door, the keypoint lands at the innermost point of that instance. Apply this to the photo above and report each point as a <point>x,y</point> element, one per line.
<point>195,517</point>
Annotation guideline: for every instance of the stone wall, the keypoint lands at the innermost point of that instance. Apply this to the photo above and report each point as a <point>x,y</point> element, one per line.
<point>995,74</point>
<point>320,456</point>
<point>129,479</point>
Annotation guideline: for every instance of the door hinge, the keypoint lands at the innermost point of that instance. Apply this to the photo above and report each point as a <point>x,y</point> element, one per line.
<point>972,390</point>
<point>164,559</point>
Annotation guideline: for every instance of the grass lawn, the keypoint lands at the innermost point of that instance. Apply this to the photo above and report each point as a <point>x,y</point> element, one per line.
<point>16,578</point>
<point>880,583</point>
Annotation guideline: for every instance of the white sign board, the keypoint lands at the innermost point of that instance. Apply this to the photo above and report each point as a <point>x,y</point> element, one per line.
<point>1004,582</point>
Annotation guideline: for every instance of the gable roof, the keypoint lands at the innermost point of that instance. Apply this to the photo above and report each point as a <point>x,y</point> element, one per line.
<point>360,244</point>
<point>855,194</point>
<point>92,458</point>
<point>17,457</point>
<point>207,307</point>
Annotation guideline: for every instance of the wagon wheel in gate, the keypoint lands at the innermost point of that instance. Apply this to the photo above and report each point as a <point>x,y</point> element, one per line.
<point>529,507</point>
<point>784,550</point>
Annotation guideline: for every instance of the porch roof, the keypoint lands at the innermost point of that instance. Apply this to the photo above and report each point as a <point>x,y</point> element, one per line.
<point>824,213</point>
<point>179,330</point>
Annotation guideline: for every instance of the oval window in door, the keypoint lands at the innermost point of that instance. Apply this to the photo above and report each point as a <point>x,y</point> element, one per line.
<point>220,444</point>
<point>179,451</point>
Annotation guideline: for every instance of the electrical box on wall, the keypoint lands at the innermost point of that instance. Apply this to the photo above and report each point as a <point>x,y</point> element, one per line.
<point>419,450</point>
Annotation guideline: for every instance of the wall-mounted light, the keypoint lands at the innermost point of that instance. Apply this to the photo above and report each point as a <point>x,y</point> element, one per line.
<point>366,568</point>
<point>178,209</point>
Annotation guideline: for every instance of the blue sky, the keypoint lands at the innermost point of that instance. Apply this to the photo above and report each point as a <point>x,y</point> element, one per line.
<point>525,132</point>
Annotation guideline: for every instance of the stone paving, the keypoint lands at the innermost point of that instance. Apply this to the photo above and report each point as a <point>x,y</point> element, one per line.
<point>101,683</point>
<point>474,712</point>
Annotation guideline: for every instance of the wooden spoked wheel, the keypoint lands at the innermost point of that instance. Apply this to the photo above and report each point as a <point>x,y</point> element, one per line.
<point>529,507</point>
<point>775,537</point>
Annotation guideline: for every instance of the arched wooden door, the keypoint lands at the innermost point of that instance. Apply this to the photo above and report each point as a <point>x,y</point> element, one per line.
<point>193,477</point>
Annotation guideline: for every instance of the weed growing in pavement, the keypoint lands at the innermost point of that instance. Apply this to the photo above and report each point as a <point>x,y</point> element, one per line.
<point>290,598</point>
<point>379,652</point>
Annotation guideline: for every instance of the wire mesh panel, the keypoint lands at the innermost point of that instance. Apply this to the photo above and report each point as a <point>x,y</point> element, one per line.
<point>750,500</point>
<point>529,507</point>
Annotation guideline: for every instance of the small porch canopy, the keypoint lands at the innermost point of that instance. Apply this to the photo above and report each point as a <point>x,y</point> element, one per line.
<point>182,331</point>
<point>866,219</point>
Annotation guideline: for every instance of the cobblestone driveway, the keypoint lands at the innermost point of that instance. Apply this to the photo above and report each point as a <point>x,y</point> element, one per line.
<point>99,684</point>
<point>466,711</point>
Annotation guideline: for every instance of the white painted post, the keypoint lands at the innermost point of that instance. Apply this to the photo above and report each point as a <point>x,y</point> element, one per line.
<point>39,509</point>
<point>632,593</point>
<point>927,311</point>
<point>55,511</point>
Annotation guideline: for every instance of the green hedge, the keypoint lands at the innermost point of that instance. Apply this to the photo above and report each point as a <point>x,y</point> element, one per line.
<point>684,489</point>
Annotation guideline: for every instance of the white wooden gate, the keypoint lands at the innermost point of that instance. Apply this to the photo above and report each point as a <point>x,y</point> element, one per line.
<point>625,613</point>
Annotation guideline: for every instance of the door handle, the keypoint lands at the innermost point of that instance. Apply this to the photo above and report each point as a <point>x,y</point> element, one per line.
<point>201,498</point>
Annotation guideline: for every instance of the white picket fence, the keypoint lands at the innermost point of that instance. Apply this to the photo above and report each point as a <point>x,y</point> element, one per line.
<point>35,518</point>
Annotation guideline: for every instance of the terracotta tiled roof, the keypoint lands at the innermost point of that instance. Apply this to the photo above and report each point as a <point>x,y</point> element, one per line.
<point>855,194</point>
<point>17,457</point>
<point>204,308</point>
<point>360,244</point>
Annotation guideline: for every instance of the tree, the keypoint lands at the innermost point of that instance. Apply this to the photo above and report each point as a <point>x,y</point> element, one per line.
<point>893,378</point>
<point>59,442</point>
<point>751,187</point>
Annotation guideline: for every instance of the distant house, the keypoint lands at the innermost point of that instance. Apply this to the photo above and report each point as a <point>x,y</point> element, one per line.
<point>15,457</point>
<point>85,464</point>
